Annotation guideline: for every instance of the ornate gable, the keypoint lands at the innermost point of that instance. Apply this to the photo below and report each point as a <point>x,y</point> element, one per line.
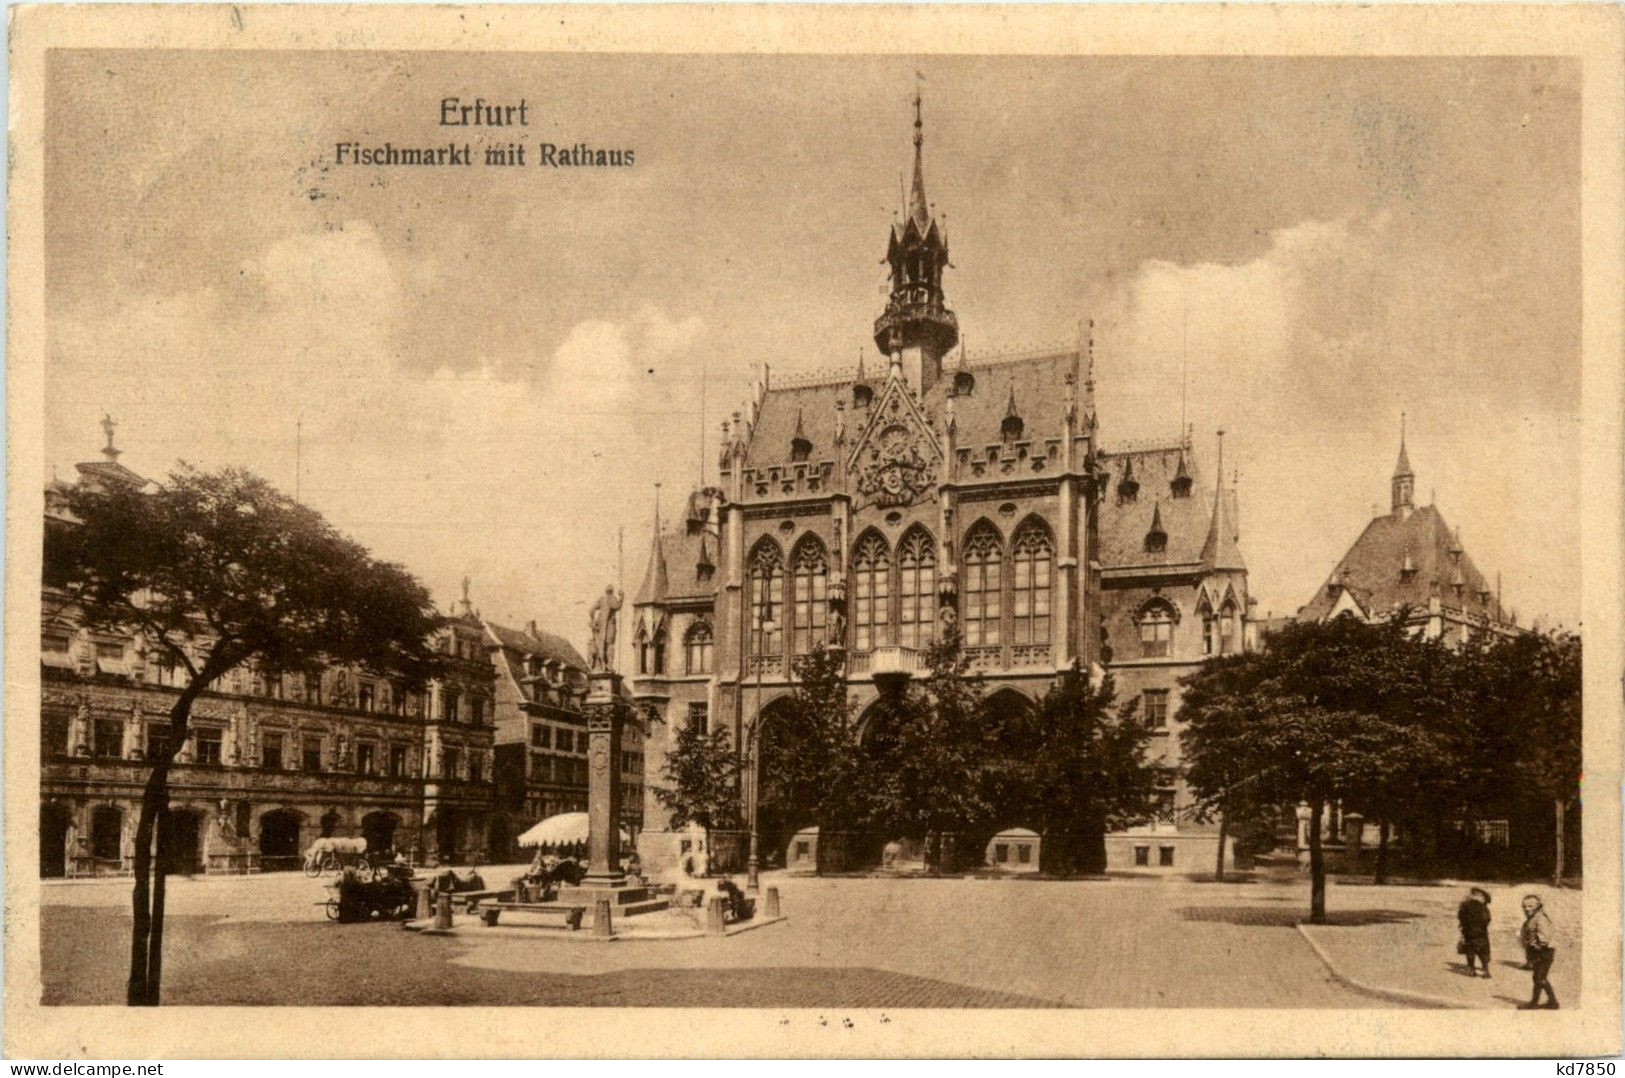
<point>898,456</point>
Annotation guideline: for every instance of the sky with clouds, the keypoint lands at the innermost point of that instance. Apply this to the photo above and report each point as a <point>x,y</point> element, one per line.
<point>484,371</point>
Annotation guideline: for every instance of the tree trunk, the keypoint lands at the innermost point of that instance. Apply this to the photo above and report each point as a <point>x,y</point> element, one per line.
<point>155,942</point>
<point>1218,868</point>
<point>147,902</point>
<point>1382,850</point>
<point>1317,868</point>
<point>1557,865</point>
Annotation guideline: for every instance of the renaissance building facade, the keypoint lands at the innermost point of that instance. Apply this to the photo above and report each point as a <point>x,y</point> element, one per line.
<point>270,763</point>
<point>864,509</point>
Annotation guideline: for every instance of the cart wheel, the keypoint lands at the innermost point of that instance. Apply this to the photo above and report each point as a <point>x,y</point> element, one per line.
<point>313,866</point>
<point>332,908</point>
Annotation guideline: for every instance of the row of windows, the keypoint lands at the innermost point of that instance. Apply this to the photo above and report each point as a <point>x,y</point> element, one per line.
<point>373,697</point>
<point>279,751</point>
<point>1157,621</point>
<point>548,737</point>
<point>894,596</point>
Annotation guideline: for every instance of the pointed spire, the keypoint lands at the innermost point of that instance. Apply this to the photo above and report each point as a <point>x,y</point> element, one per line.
<point>919,210</point>
<point>1156,537</point>
<point>1220,551</point>
<point>1181,483</point>
<point>1403,484</point>
<point>655,586</point>
<point>704,566</point>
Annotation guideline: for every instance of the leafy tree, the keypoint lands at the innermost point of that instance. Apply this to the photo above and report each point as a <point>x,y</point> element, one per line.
<point>1218,697</point>
<point>1320,714</point>
<point>215,571</point>
<point>1077,767</point>
<point>1521,704</point>
<point>817,769</point>
<point>932,748</point>
<point>702,776</point>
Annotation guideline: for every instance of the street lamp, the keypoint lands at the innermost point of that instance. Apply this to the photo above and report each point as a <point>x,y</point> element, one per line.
<point>753,744</point>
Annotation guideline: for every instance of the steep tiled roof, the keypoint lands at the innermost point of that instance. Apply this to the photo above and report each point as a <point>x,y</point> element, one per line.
<point>1038,383</point>
<point>680,550</point>
<point>544,645</point>
<point>1372,569</point>
<point>1186,521</point>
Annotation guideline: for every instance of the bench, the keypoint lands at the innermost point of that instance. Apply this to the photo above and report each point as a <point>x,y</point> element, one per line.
<point>567,916</point>
<point>471,899</point>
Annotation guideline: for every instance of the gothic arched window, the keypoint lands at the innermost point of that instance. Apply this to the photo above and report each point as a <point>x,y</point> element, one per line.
<point>984,586</point>
<point>697,645</point>
<point>1032,557</point>
<point>1157,629</point>
<point>917,588</point>
<point>809,570</point>
<point>871,594</point>
<point>1210,628</point>
<point>766,599</point>
<point>1227,628</point>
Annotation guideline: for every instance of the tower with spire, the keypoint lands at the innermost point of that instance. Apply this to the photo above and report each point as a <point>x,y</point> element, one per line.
<point>1403,484</point>
<point>917,329</point>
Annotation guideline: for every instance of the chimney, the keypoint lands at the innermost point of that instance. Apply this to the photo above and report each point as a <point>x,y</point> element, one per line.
<point>530,627</point>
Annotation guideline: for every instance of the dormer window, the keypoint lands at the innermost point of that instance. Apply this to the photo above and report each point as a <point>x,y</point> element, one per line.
<point>1156,538</point>
<point>800,449</point>
<point>1012,426</point>
<point>1180,485</point>
<point>1128,487</point>
<point>964,383</point>
<point>862,395</point>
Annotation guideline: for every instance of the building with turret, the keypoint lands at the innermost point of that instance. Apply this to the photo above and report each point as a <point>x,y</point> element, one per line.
<point>1409,562</point>
<point>866,507</point>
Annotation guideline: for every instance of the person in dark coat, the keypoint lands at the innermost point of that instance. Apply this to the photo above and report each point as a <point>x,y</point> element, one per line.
<point>1474,917</point>
<point>1541,944</point>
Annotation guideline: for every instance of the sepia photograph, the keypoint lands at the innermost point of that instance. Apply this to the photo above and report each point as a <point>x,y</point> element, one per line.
<point>549,515</point>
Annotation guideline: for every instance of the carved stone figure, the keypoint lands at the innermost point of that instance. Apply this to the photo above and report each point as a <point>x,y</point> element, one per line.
<point>603,619</point>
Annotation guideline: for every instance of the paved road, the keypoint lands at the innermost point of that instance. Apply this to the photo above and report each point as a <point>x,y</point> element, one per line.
<point>852,942</point>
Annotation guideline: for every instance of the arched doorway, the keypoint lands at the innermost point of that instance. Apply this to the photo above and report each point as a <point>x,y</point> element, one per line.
<point>782,808</point>
<point>378,828</point>
<point>279,840</point>
<point>330,823</point>
<point>445,836</point>
<point>183,843</point>
<point>55,822</point>
<point>499,840</point>
<point>107,833</point>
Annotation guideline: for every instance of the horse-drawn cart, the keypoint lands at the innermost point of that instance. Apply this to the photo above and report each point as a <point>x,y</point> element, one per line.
<point>388,897</point>
<point>336,854</point>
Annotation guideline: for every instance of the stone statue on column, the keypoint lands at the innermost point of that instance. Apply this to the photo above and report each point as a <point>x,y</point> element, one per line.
<point>603,619</point>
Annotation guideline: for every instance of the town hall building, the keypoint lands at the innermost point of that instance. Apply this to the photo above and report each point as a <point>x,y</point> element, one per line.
<point>864,509</point>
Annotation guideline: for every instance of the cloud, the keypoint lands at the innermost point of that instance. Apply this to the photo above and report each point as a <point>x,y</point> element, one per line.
<point>517,476</point>
<point>1306,354</point>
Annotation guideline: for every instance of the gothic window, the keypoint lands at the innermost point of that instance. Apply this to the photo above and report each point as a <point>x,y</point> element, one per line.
<point>640,647</point>
<point>917,588</point>
<point>1032,558</point>
<point>657,651</point>
<point>871,600</point>
<point>1210,629</point>
<point>697,645</point>
<point>810,576</point>
<point>984,586</point>
<point>1227,628</point>
<point>1157,630</point>
<point>766,599</point>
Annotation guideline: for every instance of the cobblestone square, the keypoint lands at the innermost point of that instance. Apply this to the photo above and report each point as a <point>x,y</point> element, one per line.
<point>1121,942</point>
